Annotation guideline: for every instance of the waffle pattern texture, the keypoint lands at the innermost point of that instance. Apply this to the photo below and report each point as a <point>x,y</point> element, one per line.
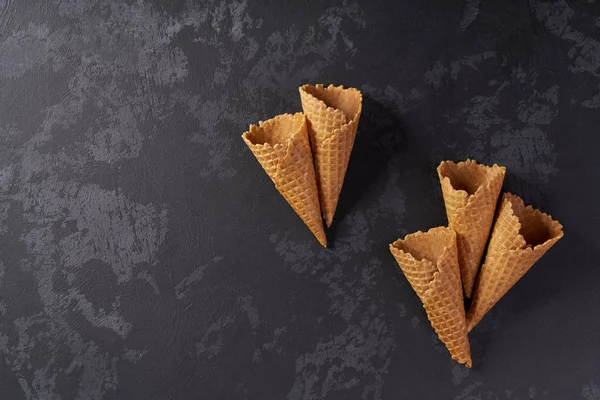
<point>333,114</point>
<point>282,148</point>
<point>429,260</point>
<point>521,236</point>
<point>470,193</point>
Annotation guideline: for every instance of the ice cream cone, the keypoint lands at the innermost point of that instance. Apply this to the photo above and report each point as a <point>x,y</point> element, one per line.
<point>470,194</point>
<point>521,235</point>
<point>281,147</point>
<point>333,114</point>
<point>430,263</point>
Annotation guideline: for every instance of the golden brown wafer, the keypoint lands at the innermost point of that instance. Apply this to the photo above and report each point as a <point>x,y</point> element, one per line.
<point>470,195</point>
<point>521,235</point>
<point>430,263</point>
<point>281,147</point>
<point>333,114</point>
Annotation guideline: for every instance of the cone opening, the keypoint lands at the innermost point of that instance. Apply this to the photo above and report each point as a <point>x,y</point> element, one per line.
<point>426,246</point>
<point>346,100</point>
<point>536,227</point>
<point>276,130</point>
<point>467,175</point>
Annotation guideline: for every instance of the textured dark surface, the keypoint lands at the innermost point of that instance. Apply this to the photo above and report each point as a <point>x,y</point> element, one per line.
<point>144,254</point>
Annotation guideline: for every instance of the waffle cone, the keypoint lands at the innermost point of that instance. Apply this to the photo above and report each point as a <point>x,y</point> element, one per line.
<point>430,263</point>
<point>333,114</point>
<point>521,235</point>
<point>281,147</point>
<point>470,194</point>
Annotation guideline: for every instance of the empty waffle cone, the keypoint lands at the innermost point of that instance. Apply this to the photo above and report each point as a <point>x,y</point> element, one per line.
<point>470,195</point>
<point>281,147</point>
<point>333,114</point>
<point>521,235</point>
<point>430,263</point>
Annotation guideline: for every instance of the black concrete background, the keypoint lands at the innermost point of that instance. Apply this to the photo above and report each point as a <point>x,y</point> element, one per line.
<point>144,254</point>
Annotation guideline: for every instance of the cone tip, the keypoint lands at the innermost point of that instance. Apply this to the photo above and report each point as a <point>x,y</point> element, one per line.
<point>470,326</point>
<point>471,319</point>
<point>329,221</point>
<point>323,240</point>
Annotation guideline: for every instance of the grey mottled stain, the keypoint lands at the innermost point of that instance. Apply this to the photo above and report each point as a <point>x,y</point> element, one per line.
<point>182,289</point>
<point>212,342</point>
<point>590,391</point>
<point>24,49</point>
<point>594,102</point>
<point>585,49</point>
<point>360,353</point>
<point>459,374</point>
<point>512,135</point>
<point>251,311</point>
<point>469,13</point>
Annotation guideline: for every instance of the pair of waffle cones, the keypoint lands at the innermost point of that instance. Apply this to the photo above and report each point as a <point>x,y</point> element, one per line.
<point>306,155</point>
<point>443,263</point>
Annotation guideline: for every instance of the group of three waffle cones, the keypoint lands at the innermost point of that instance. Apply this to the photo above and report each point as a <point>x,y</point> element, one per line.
<point>444,262</point>
<point>306,156</point>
